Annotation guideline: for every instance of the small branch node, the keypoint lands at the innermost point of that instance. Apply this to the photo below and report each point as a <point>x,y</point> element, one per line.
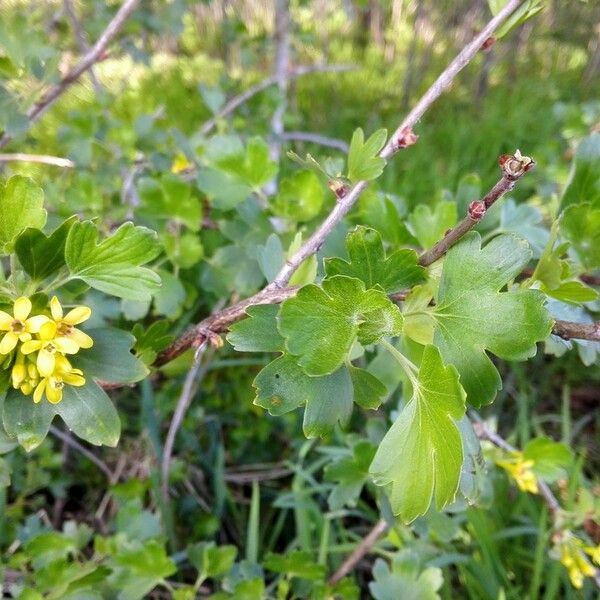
<point>406,137</point>
<point>477,210</point>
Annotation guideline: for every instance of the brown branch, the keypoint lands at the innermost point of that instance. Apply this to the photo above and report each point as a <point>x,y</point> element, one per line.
<point>220,322</point>
<point>242,98</point>
<point>81,40</point>
<point>190,385</point>
<point>53,93</point>
<point>401,138</point>
<point>569,330</point>
<point>360,551</point>
<point>513,168</point>
<point>44,159</point>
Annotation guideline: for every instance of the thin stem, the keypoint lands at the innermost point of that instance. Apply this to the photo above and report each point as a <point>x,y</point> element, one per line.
<point>44,159</point>
<point>411,370</point>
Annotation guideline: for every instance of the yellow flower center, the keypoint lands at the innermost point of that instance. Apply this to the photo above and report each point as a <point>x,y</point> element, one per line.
<point>51,348</point>
<point>17,326</point>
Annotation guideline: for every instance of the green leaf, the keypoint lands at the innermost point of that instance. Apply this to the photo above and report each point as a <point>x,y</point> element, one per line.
<point>224,191</point>
<point>254,167</point>
<point>580,225</point>
<point>583,184</point>
<point>350,473</point>
<point>142,568</point>
<point>211,560</point>
<point>89,413</point>
<point>183,249</point>
<point>169,199</point>
<point>368,262</point>
<point>114,265</point>
<point>42,256</point>
<point>404,583</point>
<point>300,197</point>
<point>170,297</point>
<point>297,563</point>
<point>26,421</point>
<point>369,392</point>
<point>110,358</point>
<point>364,162</point>
<point>307,271</point>
<point>523,13</point>
<point>420,457</point>
<point>550,458</point>
<point>257,333</point>
<point>151,341</point>
<point>430,226</point>
<point>282,386</point>
<point>320,324</point>
<point>21,206</point>
<point>270,257</point>
<point>572,291</point>
<point>329,404</point>
<point>472,315</point>
<point>525,221</point>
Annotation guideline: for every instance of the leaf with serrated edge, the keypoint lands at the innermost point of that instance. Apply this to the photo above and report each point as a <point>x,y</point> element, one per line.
<point>114,265</point>
<point>320,324</point>
<point>369,263</point>
<point>421,455</point>
<point>473,316</point>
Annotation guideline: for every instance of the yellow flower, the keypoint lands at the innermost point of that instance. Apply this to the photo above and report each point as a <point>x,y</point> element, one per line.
<point>65,324</point>
<point>17,326</point>
<point>53,384</point>
<point>520,471</point>
<point>48,346</point>
<point>572,557</point>
<point>593,552</point>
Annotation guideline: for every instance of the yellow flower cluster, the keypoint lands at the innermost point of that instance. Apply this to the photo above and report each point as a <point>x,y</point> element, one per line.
<point>520,470</point>
<point>35,347</point>
<point>572,552</point>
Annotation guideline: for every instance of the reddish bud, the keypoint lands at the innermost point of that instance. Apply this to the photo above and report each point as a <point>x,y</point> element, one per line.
<point>488,43</point>
<point>514,166</point>
<point>476,210</point>
<point>407,137</point>
<point>338,187</point>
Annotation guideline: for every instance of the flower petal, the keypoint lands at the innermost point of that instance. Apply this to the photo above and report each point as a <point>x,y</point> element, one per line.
<point>45,363</point>
<point>48,331</point>
<point>74,379</point>
<point>33,324</point>
<point>56,309</point>
<point>66,345</point>
<point>5,321</point>
<point>83,340</point>
<point>22,308</point>
<point>39,390</point>
<point>31,346</point>
<point>78,315</point>
<point>53,392</point>
<point>8,343</point>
